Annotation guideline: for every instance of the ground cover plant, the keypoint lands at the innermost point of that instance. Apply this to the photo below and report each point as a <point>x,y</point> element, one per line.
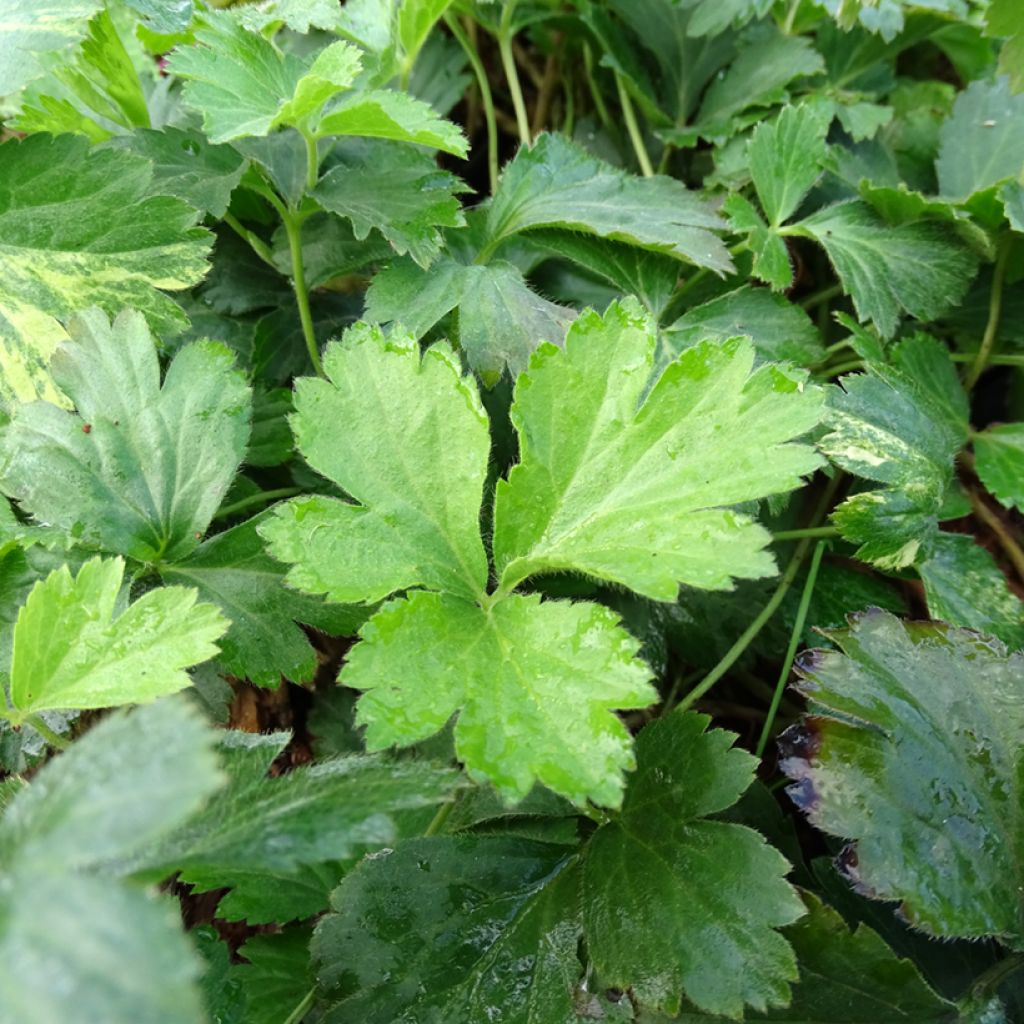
<point>511,511</point>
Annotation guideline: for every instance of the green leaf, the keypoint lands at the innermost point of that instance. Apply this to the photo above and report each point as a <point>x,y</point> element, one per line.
<point>786,156</point>
<point>639,494</point>
<point>982,141</point>
<point>383,114</point>
<point>69,241</point>
<point>672,901</point>
<point>453,929</point>
<point>1006,18</point>
<point>163,16</point>
<point>408,438</point>
<point>964,586</point>
<point>277,977</point>
<point>416,19</point>
<point>513,671</point>
<point>138,469</point>
<point>298,15</point>
<point>556,183</point>
<point>263,642</point>
<point>72,651</point>
<point>34,30</point>
<point>901,427</point>
<point>999,460</point>
<point>920,268</point>
<point>945,842</point>
<point>120,954</point>
<point>399,192</point>
<point>243,85</point>
<point>771,257</point>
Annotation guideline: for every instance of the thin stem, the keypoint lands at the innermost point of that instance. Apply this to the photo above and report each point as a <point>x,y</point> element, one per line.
<point>813,532</point>
<point>263,498</point>
<point>848,367</point>
<point>991,979</point>
<point>255,242</point>
<point>312,161</point>
<point>595,93</point>
<point>294,232</point>
<point>1004,360</point>
<point>546,90</point>
<point>53,738</point>
<point>1007,541</point>
<point>833,291</point>
<point>437,822</point>
<point>486,98</point>
<point>302,1009</point>
<point>794,643</point>
<point>635,137</point>
<point>995,309</point>
<point>791,17</point>
<point>508,62</point>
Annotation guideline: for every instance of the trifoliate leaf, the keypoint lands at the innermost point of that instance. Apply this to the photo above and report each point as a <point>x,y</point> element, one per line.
<point>138,469</point>
<point>982,142</point>
<point>408,438</point>
<point>263,642</point>
<point>453,929</point>
<point>399,192</point>
<point>999,460</point>
<point>35,29</point>
<point>120,954</point>
<point>69,241</point>
<point>920,269</point>
<point>913,750</point>
<point>243,85</point>
<point>964,586</point>
<point>779,329</point>
<point>671,900</point>
<point>383,114</point>
<point>639,494</point>
<point>786,156</point>
<point>901,428</point>
<point>535,686</point>
<point>771,257</point>
<point>72,651</point>
<point>556,184</point>
<point>501,320</point>
<point>276,977</point>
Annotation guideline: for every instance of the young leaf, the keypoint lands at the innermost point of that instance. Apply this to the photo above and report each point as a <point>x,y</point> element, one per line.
<point>771,257</point>
<point>945,842</point>
<point>406,437</point>
<point>888,269</point>
<point>999,460</point>
<point>534,685</point>
<point>639,494</point>
<point>453,929</point>
<point>95,237</point>
<point>671,899</point>
<point>72,651</point>
<point>138,469</point>
<point>243,85</point>
<point>557,184</point>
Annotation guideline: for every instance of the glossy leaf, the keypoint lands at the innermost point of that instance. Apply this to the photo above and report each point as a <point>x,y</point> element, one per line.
<point>999,459</point>
<point>944,842</point>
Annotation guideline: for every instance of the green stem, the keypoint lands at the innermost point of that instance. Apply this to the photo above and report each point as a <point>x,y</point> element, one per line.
<point>508,62</point>
<point>791,17</point>
<point>53,738</point>
<point>312,161</point>
<point>263,498</point>
<point>794,643</point>
<point>833,291</point>
<point>995,309</point>
<point>255,242</point>
<point>595,93</point>
<point>1007,541</point>
<point>294,233</point>
<point>991,979</point>
<point>853,364</point>
<point>813,532</point>
<point>302,1009</point>
<point>635,137</point>
<point>486,98</point>
<point>437,822</point>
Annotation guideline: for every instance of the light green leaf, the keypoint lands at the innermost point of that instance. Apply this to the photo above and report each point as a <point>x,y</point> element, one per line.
<point>120,953</point>
<point>550,673</point>
<point>639,494</point>
<point>771,257</point>
<point>1012,197</point>
<point>163,16</point>
<point>408,438</point>
<point>1006,18</point>
<point>69,241</point>
<point>965,587</point>
<point>138,469</point>
<point>999,460</point>
<point>298,15</point>
<point>556,183</point>
<point>673,901</point>
<point>416,18</point>
<point>786,157</point>
<point>243,85</point>
<point>921,269</point>
<point>453,929</point>
<point>711,17</point>
<point>982,141</point>
<point>399,192</point>
<point>383,114</point>
<point>901,427</point>
<point>946,842</point>
<point>74,649</point>
<point>263,642</point>
<point>34,30</point>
